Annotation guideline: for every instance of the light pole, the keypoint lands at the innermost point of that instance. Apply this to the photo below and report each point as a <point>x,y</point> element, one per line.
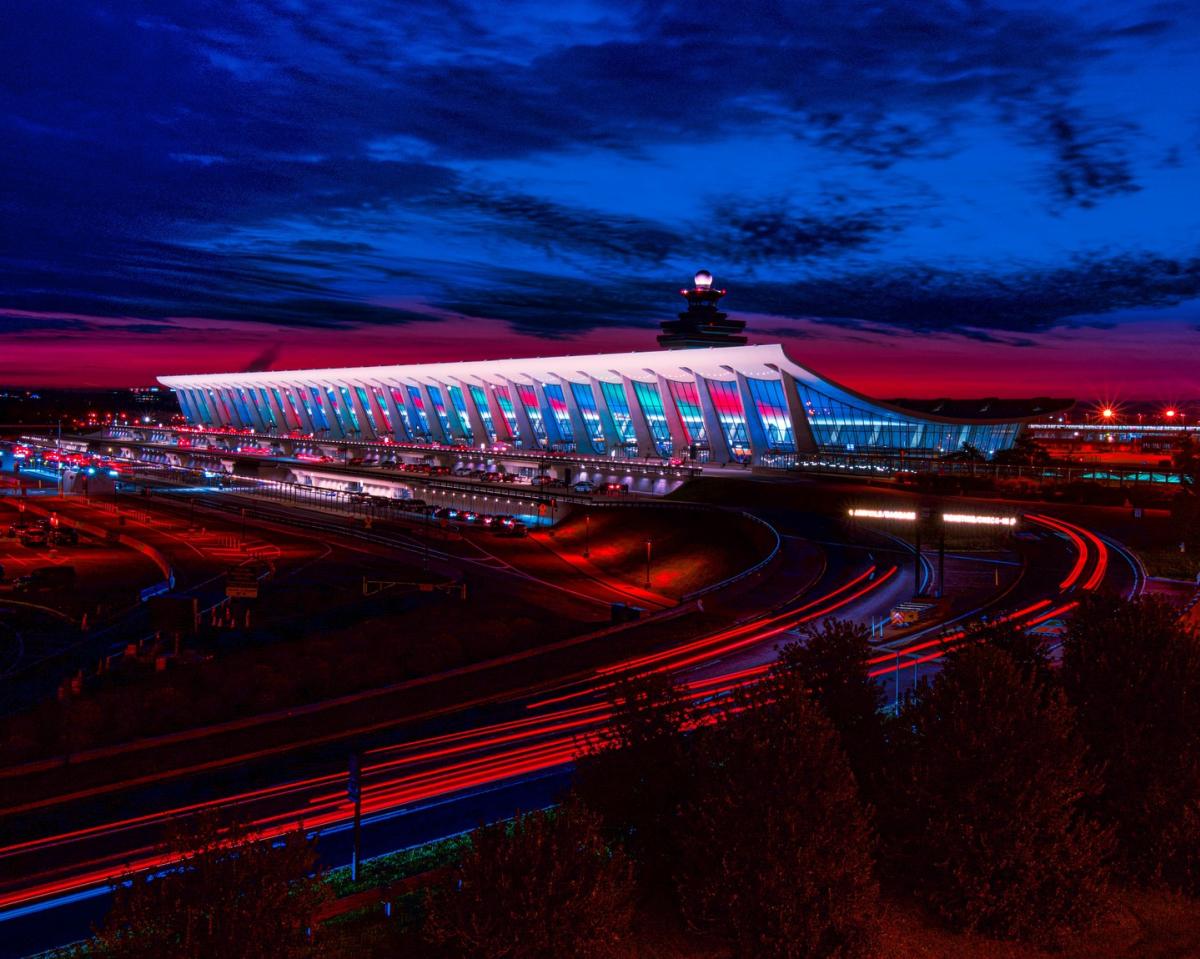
<point>587,535</point>
<point>649,543</point>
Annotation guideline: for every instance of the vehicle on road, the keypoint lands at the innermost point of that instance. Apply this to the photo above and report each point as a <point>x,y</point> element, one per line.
<point>585,486</point>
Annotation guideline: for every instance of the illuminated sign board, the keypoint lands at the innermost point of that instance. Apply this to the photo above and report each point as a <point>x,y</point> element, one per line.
<point>883,514</point>
<point>973,519</point>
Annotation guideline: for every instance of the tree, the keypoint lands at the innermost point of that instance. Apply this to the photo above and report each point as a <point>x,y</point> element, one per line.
<point>1026,649</point>
<point>228,895</point>
<point>1025,451</point>
<point>641,773</point>
<point>778,849</point>
<point>543,887</point>
<point>993,833</point>
<point>831,662</point>
<point>1133,674</point>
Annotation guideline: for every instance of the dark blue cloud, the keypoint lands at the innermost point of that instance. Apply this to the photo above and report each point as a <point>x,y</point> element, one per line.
<point>935,165</point>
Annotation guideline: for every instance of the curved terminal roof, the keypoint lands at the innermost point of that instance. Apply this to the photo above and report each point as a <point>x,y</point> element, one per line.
<point>764,361</point>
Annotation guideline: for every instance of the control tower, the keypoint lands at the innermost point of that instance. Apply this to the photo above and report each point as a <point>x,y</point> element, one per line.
<point>702,323</point>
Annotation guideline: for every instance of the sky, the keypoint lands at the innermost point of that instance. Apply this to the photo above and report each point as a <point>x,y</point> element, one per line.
<point>918,198</point>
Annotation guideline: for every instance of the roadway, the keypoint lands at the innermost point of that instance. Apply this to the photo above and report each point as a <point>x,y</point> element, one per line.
<point>420,781</point>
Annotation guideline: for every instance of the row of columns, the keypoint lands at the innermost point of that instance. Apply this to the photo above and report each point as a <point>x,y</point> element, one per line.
<point>369,409</point>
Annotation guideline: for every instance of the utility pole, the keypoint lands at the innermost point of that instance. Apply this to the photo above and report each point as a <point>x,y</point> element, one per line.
<point>941,559</point>
<point>917,558</point>
<point>354,791</point>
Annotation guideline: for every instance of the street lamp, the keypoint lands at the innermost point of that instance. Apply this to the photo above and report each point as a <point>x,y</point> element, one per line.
<point>587,535</point>
<point>649,544</point>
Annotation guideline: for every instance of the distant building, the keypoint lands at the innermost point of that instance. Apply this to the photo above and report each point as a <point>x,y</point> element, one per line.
<point>709,399</point>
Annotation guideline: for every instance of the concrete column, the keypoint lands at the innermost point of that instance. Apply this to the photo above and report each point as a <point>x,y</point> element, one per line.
<point>754,429</point>
<point>802,432</point>
<point>679,437</point>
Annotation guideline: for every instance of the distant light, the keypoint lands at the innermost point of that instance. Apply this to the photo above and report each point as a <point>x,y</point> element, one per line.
<point>1170,414</point>
<point>1108,412</point>
<point>703,280</point>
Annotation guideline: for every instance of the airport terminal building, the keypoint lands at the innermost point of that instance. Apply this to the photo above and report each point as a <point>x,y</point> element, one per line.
<point>704,397</point>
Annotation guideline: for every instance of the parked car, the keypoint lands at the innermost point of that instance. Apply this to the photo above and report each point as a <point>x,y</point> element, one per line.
<point>45,578</point>
<point>35,536</point>
<point>64,536</point>
<point>585,486</point>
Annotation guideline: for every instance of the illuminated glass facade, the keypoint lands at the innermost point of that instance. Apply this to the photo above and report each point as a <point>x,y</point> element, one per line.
<point>479,395</point>
<point>528,397</point>
<point>656,418</point>
<point>770,407</point>
<point>504,401</point>
<point>460,408</point>
<point>443,414</point>
<point>728,403</point>
<point>841,424</point>
<point>687,405</point>
<point>589,413</point>
<point>618,408</point>
<point>747,403</point>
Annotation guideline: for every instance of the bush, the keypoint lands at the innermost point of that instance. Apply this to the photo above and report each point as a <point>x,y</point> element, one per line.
<point>1133,674</point>
<point>831,663</point>
<point>544,887</point>
<point>230,896</point>
<point>640,775</point>
<point>993,832</point>
<point>777,851</point>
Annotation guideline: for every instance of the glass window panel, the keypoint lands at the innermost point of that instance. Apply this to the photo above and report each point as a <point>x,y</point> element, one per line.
<point>770,406</point>
<point>402,409</point>
<point>350,414</point>
<point>586,401</point>
<point>365,402</point>
<point>528,397</point>
<point>266,407</point>
<point>443,414</point>
<point>728,405</point>
<point>504,400</point>
<point>479,395</point>
<point>687,404</point>
<point>656,418</point>
<point>382,406</point>
<point>558,409</point>
<point>418,411</point>
<point>460,407</point>
<point>315,412</point>
<point>618,408</point>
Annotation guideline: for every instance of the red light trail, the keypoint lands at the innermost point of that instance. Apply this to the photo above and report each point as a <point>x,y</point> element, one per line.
<point>496,752</point>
